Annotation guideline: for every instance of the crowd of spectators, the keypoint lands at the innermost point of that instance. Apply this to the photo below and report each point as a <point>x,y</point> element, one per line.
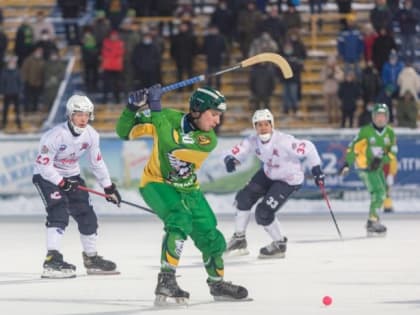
<point>119,55</point>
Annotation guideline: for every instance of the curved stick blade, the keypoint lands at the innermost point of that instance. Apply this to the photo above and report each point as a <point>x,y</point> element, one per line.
<point>278,60</point>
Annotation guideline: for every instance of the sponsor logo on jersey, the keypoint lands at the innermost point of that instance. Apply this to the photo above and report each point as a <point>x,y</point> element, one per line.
<point>44,149</point>
<point>203,140</point>
<point>62,147</point>
<point>187,139</point>
<point>85,145</point>
<point>55,195</point>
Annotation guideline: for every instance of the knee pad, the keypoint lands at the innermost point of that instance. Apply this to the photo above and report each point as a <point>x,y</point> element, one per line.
<point>57,217</point>
<point>210,243</point>
<point>248,196</point>
<point>264,215</point>
<point>87,222</point>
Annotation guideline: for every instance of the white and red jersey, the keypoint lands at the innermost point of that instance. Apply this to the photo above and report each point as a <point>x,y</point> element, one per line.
<point>282,156</point>
<point>60,151</point>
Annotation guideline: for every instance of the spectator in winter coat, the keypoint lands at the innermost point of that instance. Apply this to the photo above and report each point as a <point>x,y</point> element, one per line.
<point>247,24</point>
<point>381,16</point>
<point>262,85</point>
<point>112,65</point>
<point>382,47</point>
<point>32,73</point>
<point>263,43</point>
<point>54,74</point>
<point>407,109</point>
<point>42,24</point>
<point>292,18</point>
<point>214,47</point>
<point>146,59</point>
<point>274,25</point>
<point>350,47</point>
<point>90,59</point>
<point>70,10</point>
<point>24,41</point>
<point>10,87</point>
<point>47,44</point>
<point>369,37</point>
<point>3,45</point>
<point>407,19</point>
<point>222,18</point>
<point>390,73</point>
<point>183,50</point>
<point>349,93</point>
<point>409,80</point>
<point>131,37</point>
<point>101,28</point>
<point>331,76</point>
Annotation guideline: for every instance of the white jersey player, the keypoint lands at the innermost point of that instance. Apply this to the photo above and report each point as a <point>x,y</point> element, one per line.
<point>282,174</point>
<point>57,177</point>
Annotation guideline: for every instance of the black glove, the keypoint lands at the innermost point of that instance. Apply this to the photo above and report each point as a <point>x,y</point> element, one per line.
<point>68,184</point>
<point>230,162</point>
<point>344,170</point>
<point>137,100</point>
<point>153,97</point>
<point>113,194</point>
<point>319,177</point>
<point>374,165</point>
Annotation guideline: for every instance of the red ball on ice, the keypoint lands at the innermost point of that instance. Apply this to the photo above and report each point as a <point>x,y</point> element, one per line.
<point>327,300</point>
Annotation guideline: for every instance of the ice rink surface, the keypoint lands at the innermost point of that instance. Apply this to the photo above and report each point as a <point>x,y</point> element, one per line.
<point>364,276</point>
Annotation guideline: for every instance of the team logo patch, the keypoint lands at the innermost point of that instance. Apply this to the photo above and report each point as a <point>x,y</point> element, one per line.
<point>62,147</point>
<point>203,140</point>
<point>44,149</point>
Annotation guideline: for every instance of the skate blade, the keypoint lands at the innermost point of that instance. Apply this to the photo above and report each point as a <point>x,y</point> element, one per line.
<point>99,272</point>
<point>375,234</point>
<point>224,298</point>
<point>236,252</point>
<point>275,256</point>
<point>167,301</point>
<point>55,274</point>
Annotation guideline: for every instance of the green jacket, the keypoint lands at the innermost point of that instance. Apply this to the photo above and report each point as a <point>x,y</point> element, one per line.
<point>177,154</point>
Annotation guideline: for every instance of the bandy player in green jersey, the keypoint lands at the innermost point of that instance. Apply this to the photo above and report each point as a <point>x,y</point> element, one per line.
<point>182,141</point>
<point>374,146</point>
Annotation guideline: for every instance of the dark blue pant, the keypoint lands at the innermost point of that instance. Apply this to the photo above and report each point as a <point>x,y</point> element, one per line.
<point>60,205</point>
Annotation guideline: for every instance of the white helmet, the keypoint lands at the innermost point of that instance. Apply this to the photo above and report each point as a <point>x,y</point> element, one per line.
<point>79,103</point>
<point>263,115</point>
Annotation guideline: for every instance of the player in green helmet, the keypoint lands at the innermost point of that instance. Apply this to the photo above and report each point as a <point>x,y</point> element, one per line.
<point>182,141</point>
<point>374,146</point>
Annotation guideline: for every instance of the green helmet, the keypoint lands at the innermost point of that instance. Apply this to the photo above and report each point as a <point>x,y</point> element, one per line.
<point>207,98</point>
<point>380,108</point>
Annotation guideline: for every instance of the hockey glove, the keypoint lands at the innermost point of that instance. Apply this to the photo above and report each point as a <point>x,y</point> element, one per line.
<point>374,165</point>
<point>318,175</point>
<point>153,97</point>
<point>344,170</point>
<point>113,194</point>
<point>230,162</point>
<point>68,184</point>
<point>137,100</point>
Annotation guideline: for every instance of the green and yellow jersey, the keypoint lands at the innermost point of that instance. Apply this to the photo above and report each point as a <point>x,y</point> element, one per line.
<point>178,151</point>
<point>371,143</point>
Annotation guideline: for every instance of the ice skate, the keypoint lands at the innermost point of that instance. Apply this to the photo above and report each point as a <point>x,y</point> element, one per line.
<point>375,228</point>
<point>96,265</point>
<point>56,268</point>
<point>276,249</point>
<point>237,245</point>
<point>168,292</point>
<point>226,291</point>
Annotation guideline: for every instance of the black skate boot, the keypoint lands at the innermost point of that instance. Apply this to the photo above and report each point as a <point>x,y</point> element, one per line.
<point>276,249</point>
<point>56,268</point>
<point>226,291</point>
<point>96,265</point>
<point>375,228</point>
<point>167,287</point>
<point>237,245</point>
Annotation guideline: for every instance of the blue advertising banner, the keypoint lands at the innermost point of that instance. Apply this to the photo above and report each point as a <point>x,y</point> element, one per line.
<point>126,160</point>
